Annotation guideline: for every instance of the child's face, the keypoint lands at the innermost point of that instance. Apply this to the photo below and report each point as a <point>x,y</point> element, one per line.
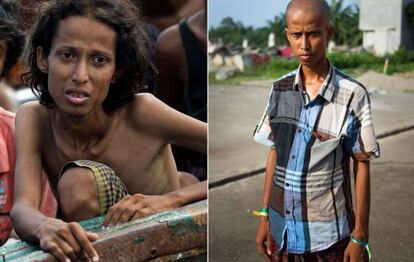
<point>80,64</point>
<point>308,34</point>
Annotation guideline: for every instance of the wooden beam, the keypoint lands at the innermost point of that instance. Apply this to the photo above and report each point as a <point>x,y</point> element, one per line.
<point>165,236</point>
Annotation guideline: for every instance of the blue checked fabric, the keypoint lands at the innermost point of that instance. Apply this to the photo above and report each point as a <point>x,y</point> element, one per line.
<point>311,202</point>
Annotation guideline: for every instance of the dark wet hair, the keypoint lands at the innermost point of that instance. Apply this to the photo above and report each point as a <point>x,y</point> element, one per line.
<point>11,31</point>
<point>132,46</point>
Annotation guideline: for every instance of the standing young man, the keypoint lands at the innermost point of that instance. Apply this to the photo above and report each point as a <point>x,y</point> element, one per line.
<point>316,119</point>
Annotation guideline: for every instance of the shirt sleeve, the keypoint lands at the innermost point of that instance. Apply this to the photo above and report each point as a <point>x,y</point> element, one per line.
<point>263,133</point>
<point>361,141</point>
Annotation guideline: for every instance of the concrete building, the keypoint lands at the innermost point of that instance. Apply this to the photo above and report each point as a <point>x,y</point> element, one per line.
<point>385,26</point>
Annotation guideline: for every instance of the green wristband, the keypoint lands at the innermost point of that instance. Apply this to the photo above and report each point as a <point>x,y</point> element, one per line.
<point>262,212</point>
<point>364,244</point>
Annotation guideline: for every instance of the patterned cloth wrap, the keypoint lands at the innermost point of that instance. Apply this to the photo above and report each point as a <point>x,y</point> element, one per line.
<point>334,253</point>
<point>110,187</point>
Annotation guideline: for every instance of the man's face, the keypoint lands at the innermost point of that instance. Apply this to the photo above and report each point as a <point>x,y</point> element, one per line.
<point>308,34</point>
<point>80,64</point>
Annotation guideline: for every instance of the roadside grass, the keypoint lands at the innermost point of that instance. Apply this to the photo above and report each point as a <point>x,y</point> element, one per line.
<point>274,74</point>
<point>352,64</point>
<point>257,75</point>
<point>248,75</point>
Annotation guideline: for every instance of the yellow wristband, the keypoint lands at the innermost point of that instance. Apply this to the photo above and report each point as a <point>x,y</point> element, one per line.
<point>260,214</point>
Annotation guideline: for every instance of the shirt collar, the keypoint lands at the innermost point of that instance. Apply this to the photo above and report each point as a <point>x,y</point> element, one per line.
<point>328,87</point>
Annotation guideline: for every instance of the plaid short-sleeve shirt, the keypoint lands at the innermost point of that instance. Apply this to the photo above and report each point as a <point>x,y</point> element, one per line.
<point>311,202</point>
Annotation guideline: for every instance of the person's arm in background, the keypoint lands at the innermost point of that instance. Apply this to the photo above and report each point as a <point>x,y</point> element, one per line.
<point>264,238</point>
<point>179,10</point>
<point>171,65</point>
<point>355,252</point>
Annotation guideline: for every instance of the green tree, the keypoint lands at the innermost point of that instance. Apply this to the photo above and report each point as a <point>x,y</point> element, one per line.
<point>232,32</point>
<point>354,35</point>
<point>258,37</point>
<point>277,26</point>
<point>229,23</point>
<point>345,20</point>
<point>229,31</point>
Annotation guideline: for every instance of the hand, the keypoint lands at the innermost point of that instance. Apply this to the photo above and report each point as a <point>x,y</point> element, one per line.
<point>135,206</point>
<point>264,241</point>
<point>67,241</point>
<point>355,253</point>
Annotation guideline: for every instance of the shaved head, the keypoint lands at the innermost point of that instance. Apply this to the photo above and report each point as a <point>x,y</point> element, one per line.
<point>319,7</point>
<point>309,31</point>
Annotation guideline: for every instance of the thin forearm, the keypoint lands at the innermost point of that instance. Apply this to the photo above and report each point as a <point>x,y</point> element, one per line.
<point>270,169</point>
<point>362,200</point>
<point>189,194</point>
<point>26,221</point>
<point>202,144</point>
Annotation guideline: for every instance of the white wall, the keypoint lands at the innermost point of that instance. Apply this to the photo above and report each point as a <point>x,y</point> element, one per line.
<point>380,21</point>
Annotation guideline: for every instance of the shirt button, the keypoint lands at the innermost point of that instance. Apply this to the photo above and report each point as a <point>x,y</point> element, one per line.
<point>300,130</point>
<point>287,212</point>
<point>287,184</point>
<point>293,157</point>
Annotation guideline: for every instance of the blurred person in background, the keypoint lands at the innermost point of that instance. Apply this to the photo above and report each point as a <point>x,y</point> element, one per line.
<point>11,47</point>
<point>159,15</point>
<point>165,13</point>
<point>181,61</point>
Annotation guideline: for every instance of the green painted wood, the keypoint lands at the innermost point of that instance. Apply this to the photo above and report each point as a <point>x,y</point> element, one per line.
<point>166,234</point>
<point>193,255</point>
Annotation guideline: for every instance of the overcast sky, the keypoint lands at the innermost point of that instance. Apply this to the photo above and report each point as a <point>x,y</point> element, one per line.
<point>249,12</point>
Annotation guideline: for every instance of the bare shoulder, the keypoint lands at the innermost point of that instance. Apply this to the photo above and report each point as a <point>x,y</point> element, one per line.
<point>31,115</point>
<point>145,106</point>
<point>169,41</point>
<point>149,114</point>
<point>32,109</point>
<point>31,128</point>
<point>146,103</point>
<point>169,50</point>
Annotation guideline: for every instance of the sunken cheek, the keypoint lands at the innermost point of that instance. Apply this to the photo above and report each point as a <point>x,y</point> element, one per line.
<point>58,77</point>
<point>61,77</point>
